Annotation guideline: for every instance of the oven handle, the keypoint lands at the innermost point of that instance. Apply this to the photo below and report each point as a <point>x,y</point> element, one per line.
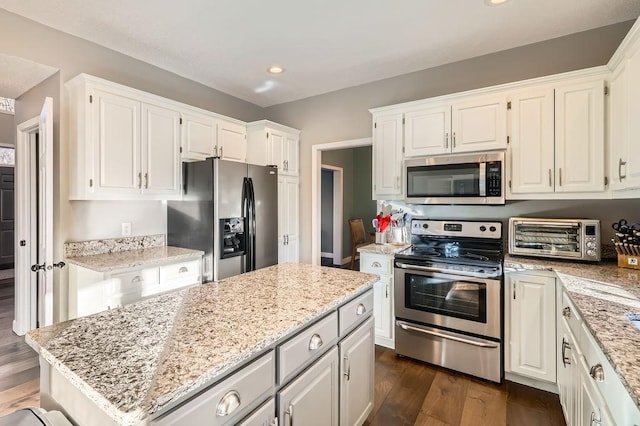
<point>446,271</point>
<point>403,325</point>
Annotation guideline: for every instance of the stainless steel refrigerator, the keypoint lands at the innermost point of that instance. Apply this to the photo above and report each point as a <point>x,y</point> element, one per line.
<point>229,210</point>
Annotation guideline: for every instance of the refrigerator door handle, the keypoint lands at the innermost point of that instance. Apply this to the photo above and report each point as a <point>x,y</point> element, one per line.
<point>246,265</point>
<point>252,227</point>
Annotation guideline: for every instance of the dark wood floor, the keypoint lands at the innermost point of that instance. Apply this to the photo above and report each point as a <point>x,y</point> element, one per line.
<point>19,370</point>
<point>408,392</point>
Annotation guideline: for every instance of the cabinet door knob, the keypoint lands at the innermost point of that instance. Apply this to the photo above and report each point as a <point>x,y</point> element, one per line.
<point>597,373</point>
<point>146,180</point>
<point>566,312</point>
<point>361,309</point>
<point>228,403</point>
<point>315,342</point>
<point>620,164</point>
<point>446,140</point>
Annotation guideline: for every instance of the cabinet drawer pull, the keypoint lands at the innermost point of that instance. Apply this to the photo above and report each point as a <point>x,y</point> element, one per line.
<point>183,269</point>
<point>565,359</point>
<point>315,342</point>
<point>560,175</point>
<point>550,184</point>
<point>228,403</point>
<point>136,279</point>
<point>376,265</point>
<point>454,139</point>
<point>597,373</point>
<point>361,309</point>
<point>289,413</point>
<point>566,312</point>
<point>140,180</point>
<point>446,140</point>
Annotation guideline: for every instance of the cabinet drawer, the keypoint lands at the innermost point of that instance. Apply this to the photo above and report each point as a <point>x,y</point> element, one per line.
<point>306,346</point>
<point>180,272</point>
<point>229,400</point>
<point>144,282</point>
<point>569,314</point>
<point>355,311</point>
<point>376,264</point>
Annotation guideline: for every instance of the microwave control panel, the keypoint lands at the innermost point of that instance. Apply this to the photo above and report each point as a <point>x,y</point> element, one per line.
<point>494,179</point>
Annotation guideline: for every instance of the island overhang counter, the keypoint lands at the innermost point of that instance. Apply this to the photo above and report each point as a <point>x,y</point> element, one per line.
<point>135,364</point>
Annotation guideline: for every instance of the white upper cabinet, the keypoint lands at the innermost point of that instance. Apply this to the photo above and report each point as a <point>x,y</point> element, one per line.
<point>579,137</point>
<point>427,131</point>
<point>123,145</point>
<point>532,154</point>
<point>387,157</point>
<point>160,150</point>
<point>474,124</point>
<point>232,141</point>
<point>199,136</point>
<point>479,124</point>
<point>557,142</point>
<point>273,144</point>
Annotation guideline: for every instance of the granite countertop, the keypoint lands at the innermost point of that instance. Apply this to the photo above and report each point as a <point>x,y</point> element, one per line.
<point>382,248</point>
<point>135,360</point>
<point>603,293</point>
<point>108,262</point>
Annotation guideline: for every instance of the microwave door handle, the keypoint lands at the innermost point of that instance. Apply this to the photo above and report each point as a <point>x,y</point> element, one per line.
<point>482,179</point>
<point>444,271</point>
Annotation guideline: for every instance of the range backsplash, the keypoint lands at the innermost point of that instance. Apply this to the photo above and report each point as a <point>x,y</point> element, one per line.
<point>607,211</point>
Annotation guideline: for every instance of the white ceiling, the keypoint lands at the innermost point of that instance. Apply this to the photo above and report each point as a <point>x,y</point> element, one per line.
<point>17,75</point>
<point>324,45</point>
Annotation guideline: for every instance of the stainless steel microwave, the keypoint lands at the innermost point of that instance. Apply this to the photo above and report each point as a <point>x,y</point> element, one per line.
<point>456,179</point>
<point>560,238</point>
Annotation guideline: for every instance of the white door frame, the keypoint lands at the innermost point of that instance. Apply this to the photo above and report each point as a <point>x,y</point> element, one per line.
<point>25,223</point>
<point>316,170</point>
<point>338,188</point>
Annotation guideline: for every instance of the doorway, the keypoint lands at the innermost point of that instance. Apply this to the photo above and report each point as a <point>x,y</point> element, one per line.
<point>331,213</point>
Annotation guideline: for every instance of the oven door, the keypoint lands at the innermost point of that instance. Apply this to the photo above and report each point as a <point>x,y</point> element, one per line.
<point>456,302</point>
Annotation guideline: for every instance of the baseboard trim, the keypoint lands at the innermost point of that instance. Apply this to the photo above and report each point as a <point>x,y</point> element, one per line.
<point>346,260</point>
<point>326,254</point>
<point>534,383</point>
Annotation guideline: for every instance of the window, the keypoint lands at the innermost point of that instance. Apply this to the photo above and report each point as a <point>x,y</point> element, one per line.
<point>7,156</point>
<point>7,105</point>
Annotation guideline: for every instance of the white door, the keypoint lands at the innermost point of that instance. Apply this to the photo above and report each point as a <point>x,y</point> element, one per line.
<point>579,117</point>
<point>533,326</point>
<point>232,141</point>
<point>116,144</point>
<point>45,214</point>
<point>275,149</point>
<point>291,154</point>
<point>160,150</point>
<point>387,157</point>
<point>357,378</point>
<point>198,136</point>
<point>428,131</point>
<point>532,144</point>
<point>479,124</point>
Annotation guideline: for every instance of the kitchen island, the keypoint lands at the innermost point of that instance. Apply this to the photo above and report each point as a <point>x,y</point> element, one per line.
<point>135,364</point>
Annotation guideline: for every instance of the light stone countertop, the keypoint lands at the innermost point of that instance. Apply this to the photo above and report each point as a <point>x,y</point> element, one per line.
<point>108,262</point>
<point>603,293</point>
<point>135,360</point>
<point>383,248</point>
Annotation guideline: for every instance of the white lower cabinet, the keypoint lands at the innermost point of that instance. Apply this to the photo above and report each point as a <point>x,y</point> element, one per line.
<point>531,305</point>
<point>262,416</point>
<point>312,398</point>
<point>93,291</point>
<point>357,378</point>
<point>288,219</point>
<point>383,310</point>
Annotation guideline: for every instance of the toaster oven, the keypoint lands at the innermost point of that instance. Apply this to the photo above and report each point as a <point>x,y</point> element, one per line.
<point>557,238</point>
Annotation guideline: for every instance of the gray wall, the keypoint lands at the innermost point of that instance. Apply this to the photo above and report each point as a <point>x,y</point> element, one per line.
<point>363,205</point>
<point>326,212</point>
<point>343,115</point>
<point>7,129</point>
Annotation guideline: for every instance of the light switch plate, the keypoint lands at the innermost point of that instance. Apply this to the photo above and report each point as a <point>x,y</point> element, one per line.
<point>126,229</point>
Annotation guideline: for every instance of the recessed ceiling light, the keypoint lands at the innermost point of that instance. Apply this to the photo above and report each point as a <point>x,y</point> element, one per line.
<point>495,2</point>
<point>276,69</point>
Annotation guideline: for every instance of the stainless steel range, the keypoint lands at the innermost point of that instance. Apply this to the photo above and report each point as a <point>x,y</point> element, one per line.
<point>448,296</point>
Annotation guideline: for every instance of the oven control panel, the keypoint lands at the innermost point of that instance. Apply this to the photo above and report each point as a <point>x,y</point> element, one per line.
<point>459,228</point>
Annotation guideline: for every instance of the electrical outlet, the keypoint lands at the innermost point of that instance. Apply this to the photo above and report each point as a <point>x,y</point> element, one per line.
<point>126,229</point>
